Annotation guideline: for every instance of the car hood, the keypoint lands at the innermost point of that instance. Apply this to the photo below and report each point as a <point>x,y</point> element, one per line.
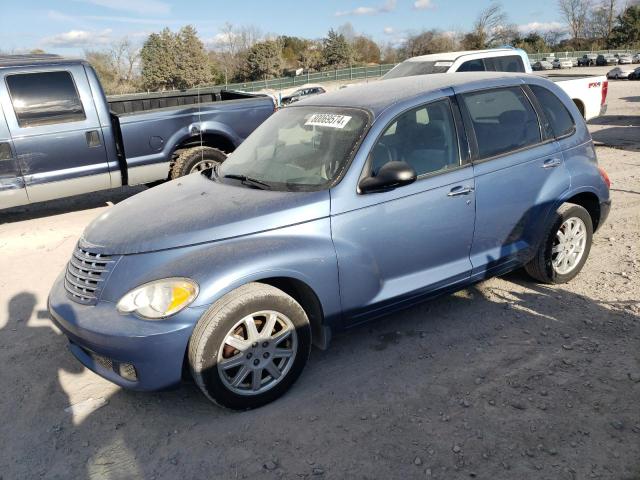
<point>195,209</point>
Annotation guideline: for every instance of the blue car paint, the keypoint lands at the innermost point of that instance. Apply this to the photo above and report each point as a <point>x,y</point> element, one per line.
<point>361,255</point>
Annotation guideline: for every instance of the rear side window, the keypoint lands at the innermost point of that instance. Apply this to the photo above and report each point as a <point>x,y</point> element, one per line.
<point>503,120</point>
<point>472,66</point>
<point>44,98</point>
<point>510,63</point>
<point>558,119</point>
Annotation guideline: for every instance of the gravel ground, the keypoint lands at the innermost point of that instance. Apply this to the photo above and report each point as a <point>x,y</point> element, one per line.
<point>504,380</point>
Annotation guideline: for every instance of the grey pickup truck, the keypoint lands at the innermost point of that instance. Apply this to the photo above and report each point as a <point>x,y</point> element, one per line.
<point>61,136</point>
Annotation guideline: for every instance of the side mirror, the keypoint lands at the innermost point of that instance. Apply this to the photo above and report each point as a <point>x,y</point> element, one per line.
<point>391,175</point>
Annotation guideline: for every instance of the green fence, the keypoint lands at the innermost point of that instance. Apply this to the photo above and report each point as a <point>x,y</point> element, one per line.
<point>343,74</point>
<point>534,57</point>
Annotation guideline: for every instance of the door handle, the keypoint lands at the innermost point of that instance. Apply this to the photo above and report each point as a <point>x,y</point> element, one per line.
<point>552,163</point>
<point>460,190</point>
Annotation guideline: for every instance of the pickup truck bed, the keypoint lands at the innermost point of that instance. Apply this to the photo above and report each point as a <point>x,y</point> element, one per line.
<point>588,92</point>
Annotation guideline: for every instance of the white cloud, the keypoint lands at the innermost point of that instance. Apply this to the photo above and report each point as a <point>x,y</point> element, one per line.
<point>143,7</point>
<point>79,39</point>
<point>540,27</point>
<point>388,30</point>
<point>387,7</point>
<point>423,4</point>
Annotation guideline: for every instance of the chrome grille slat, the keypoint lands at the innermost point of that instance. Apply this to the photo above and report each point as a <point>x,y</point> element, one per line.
<point>86,271</point>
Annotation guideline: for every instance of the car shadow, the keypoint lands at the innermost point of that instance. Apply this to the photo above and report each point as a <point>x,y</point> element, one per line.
<point>631,99</point>
<point>616,120</point>
<point>69,204</point>
<point>487,368</point>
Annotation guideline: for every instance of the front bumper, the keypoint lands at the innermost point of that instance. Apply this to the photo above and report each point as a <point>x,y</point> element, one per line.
<point>102,340</point>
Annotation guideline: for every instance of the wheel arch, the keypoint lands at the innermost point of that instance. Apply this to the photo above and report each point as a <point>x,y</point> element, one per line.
<point>590,202</point>
<point>580,105</point>
<point>217,140</point>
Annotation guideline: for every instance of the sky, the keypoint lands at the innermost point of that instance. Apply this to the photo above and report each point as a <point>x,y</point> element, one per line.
<point>69,27</point>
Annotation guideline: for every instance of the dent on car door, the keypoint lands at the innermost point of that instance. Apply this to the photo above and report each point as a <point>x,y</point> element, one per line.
<point>56,132</point>
<point>12,191</point>
<point>519,173</point>
<point>399,245</point>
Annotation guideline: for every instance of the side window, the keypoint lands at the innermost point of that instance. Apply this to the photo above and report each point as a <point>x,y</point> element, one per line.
<point>503,120</point>
<point>510,63</point>
<point>424,137</point>
<point>472,66</point>
<point>44,98</point>
<point>560,122</point>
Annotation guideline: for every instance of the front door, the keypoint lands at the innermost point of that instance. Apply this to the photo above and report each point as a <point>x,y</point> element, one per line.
<point>12,191</point>
<point>398,246</point>
<point>56,132</point>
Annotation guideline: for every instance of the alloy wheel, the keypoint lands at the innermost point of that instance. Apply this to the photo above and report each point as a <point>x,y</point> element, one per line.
<point>569,245</point>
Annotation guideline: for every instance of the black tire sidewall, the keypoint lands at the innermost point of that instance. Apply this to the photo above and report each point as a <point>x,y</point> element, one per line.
<point>560,218</point>
<point>212,342</point>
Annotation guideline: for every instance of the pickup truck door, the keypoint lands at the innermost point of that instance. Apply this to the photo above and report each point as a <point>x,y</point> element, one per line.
<point>12,191</point>
<point>55,130</point>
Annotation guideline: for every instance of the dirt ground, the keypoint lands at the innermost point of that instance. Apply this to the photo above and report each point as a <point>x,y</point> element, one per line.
<point>505,380</point>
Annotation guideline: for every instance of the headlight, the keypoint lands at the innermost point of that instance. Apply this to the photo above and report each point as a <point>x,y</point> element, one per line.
<point>159,299</point>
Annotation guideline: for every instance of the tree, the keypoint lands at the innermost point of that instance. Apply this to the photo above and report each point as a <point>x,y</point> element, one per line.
<point>365,50</point>
<point>336,52</point>
<point>532,43</point>
<point>429,41</point>
<point>117,66</point>
<point>264,60</point>
<point>574,13</point>
<point>490,29</point>
<point>174,61</point>
<point>627,30</point>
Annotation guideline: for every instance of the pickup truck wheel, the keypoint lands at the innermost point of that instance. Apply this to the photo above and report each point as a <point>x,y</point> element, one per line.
<point>195,160</point>
<point>250,347</point>
<point>565,247</point>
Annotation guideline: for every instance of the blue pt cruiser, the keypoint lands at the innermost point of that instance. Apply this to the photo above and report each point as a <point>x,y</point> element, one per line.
<point>337,210</point>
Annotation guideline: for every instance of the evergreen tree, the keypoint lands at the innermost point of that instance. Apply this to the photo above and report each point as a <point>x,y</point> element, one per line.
<point>264,60</point>
<point>336,52</point>
<point>627,31</point>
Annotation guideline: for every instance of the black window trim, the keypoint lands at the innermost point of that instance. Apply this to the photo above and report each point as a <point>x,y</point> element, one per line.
<point>464,159</point>
<point>538,106</point>
<point>471,134</point>
<point>73,82</point>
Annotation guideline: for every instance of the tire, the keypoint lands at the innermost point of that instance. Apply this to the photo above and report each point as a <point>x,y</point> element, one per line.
<point>541,267</point>
<point>208,347</point>
<point>191,159</point>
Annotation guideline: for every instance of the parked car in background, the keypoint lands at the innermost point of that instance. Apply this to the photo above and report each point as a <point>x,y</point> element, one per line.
<point>59,135</point>
<point>542,65</point>
<point>636,58</point>
<point>339,209</point>
<point>574,61</point>
<point>301,93</point>
<point>635,75</point>
<point>562,63</point>
<point>604,60</point>
<point>619,72</point>
<point>625,60</point>
<point>587,60</point>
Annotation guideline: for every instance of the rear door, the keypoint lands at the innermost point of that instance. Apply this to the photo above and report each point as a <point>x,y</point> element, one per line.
<point>519,174</point>
<point>55,130</point>
<point>12,191</point>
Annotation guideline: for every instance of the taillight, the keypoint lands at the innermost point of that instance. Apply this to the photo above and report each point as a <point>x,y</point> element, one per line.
<point>605,177</point>
<point>605,89</point>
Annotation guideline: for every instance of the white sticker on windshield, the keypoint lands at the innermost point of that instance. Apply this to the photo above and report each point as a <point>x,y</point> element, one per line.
<point>443,64</point>
<point>328,120</point>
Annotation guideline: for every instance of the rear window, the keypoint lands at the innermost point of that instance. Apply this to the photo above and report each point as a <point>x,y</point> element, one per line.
<point>558,119</point>
<point>509,63</point>
<point>503,120</point>
<point>412,68</point>
<point>44,98</point>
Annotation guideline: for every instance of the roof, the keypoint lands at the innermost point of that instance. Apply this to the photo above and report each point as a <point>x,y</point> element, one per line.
<point>379,95</point>
<point>451,56</point>
<point>7,61</point>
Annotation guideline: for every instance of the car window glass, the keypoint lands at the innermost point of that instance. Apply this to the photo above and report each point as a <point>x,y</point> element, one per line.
<point>424,137</point>
<point>560,120</point>
<point>44,98</point>
<point>472,66</point>
<point>503,120</point>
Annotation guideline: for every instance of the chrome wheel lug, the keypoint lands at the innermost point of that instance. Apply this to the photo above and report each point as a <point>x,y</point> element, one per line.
<point>265,344</point>
<point>265,355</point>
<point>256,362</point>
<point>249,355</point>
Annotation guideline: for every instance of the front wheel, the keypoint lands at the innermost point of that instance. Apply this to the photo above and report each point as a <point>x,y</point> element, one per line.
<point>250,347</point>
<point>196,159</point>
<point>565,247</point>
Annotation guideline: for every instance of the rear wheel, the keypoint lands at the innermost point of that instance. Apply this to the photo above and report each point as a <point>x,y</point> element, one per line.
<point>250,347</point>
<point>196,159</point>
<point>565,247</point>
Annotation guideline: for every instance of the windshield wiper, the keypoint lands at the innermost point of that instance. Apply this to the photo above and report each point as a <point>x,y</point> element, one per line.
<point>254,182</point>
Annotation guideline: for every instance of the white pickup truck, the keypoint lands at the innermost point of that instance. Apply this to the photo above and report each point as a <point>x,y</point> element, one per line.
<point>589,93</point>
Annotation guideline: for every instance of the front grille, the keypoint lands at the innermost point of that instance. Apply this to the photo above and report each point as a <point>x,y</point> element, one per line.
<point>86,272</point>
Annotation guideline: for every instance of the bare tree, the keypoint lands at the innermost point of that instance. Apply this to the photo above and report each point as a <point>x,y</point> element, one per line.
<point>232,43</point>
<point>574,13</point>
<point>491,28</point>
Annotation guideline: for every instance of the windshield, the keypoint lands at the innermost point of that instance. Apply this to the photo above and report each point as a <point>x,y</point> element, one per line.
<point>298,148</point>
<point>412,68</point>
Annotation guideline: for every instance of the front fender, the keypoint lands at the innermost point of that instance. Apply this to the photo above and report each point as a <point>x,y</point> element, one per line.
<point>302,252</point>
